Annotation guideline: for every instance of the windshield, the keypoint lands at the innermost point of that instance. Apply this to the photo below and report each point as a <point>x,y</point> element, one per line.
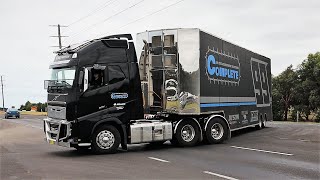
<point>12,110</point>
<point>62,77</point>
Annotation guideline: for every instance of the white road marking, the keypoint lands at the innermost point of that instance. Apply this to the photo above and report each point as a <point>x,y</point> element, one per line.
<point>219,175</point>
<point>284,138</point>
<point>260,150</point>
<point>304,140</point>
<point>157,159</point>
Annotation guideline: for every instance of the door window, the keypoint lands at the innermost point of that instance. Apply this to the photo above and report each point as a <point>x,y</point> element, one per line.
<point>115,74</point>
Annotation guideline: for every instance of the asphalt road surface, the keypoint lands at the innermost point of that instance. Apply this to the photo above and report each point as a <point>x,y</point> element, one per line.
<point>280,151</point>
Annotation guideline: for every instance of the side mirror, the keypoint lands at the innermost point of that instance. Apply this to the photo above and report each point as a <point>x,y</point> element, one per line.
<point>81,73</point>
<point>46,84</point>
<point>86,80</point>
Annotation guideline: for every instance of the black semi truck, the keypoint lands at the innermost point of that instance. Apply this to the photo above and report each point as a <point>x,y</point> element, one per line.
<point>188,86</point>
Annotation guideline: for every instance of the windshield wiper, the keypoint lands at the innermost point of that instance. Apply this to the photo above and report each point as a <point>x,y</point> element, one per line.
<point>66,83</point>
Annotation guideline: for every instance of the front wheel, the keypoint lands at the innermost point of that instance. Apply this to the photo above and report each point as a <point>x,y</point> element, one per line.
<point>187,133</point>
<point>216,131</point>
<point>105,139</point>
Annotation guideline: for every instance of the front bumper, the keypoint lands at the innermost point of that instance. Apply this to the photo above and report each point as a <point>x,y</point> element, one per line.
<point>58,132</point>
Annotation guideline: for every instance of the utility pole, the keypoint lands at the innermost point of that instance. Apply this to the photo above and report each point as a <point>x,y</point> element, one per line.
<point>59,35</point>
<point>2,93</point>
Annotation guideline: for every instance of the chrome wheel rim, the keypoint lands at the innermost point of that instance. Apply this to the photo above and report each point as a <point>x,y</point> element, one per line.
<point>260,123</point>
<point>105,139</point>
<point>217,131</point>
<point>187,133</point>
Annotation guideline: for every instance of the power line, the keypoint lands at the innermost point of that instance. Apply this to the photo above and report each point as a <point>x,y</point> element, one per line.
<point>107,19</point>
<point>120,12</point>
<point>93,12</point>
<point>59,35</point>
<point>148,15</point>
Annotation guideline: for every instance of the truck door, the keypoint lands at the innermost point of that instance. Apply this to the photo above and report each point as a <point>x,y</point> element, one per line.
<point>93,95</point>
<point>118,85</point>
<point>104,85</point>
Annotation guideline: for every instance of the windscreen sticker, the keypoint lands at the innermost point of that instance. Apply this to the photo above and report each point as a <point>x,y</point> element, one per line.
<point>119,95</point>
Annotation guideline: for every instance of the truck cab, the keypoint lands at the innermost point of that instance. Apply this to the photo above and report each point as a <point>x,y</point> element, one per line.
<point>94,83</point>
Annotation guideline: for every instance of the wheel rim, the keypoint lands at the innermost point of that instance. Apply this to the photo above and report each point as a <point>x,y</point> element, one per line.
<point>105,139</point>
<point>217,131</point>
<point>260,124</point>
<point>187,133</point>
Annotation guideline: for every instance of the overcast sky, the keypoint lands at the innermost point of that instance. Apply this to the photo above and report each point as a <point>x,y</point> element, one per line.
<point>284,30</point>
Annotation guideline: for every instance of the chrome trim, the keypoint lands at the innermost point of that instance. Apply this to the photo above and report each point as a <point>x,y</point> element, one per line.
<point>57,102</point>
<point>56,94</point>
<point>84,144</point>
<point>57,112</point>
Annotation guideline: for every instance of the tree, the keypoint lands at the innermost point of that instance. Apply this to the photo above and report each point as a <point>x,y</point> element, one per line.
<point>283,87</point>
<point>277,103</point>
<point>307,90</point>
<point>39,106</point>
<point>22,107</point>
<point>27,106</point>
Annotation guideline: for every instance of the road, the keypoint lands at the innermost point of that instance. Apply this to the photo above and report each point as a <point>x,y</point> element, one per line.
<point>283,150</point>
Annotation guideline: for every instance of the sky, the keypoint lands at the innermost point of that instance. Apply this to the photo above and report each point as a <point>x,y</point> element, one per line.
<point>284,30</point>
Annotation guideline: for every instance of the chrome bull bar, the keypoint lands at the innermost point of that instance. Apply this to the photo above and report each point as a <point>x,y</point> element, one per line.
<point>57,132</point>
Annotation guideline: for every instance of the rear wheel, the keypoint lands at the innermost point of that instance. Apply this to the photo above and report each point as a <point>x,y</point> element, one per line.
<point>216,131</point>
<point>264,123</point>
<point>187,133</point>
<point>105,139</point>
<point>260,125</point>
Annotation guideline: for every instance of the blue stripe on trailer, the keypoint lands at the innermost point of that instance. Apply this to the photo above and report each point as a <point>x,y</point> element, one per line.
<point>228,104</point>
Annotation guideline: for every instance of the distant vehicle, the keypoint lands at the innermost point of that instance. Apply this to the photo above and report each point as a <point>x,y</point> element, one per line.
<point>12,112</point>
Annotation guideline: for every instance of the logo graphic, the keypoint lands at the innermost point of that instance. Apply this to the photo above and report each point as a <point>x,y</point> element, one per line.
<point>233,119</point>
<point>254,116</point>
<point>119,95</point>
<point>222,67</point>
<point>260,82</point>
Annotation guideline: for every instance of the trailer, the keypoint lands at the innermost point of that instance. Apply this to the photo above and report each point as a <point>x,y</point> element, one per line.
<point>187,87</point>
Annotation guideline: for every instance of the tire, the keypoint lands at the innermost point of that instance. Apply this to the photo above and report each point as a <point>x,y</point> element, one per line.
<point>216,131</point>
<point>187,133</point>
<point>264,123</point>
<point>99,145</point>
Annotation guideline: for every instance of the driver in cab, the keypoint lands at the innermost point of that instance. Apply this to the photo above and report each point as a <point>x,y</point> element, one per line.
<point>97,80</point>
